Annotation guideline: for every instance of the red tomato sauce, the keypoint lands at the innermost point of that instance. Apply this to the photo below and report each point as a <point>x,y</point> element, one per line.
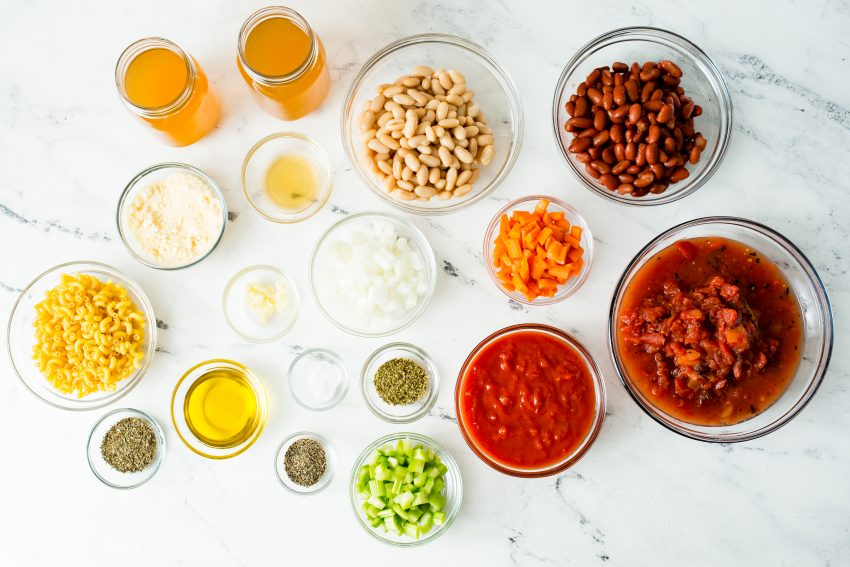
<point>527,400</point>
<point>710,331</point>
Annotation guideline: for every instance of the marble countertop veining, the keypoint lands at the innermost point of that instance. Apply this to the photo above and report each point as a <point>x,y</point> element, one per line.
<point>641,496</point>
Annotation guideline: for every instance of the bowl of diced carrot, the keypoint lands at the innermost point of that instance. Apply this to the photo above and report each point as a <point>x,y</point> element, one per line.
<point>538,250</point>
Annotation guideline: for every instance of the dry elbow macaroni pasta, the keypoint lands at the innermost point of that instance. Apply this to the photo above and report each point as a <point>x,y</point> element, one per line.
<point>89,335</point>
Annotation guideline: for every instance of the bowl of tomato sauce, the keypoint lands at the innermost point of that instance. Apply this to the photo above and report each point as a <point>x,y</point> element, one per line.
<point>720,329</point>
<point>530,400</point>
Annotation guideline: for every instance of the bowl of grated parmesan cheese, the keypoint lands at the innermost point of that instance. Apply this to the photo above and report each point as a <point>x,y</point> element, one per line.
<point>171,216</point>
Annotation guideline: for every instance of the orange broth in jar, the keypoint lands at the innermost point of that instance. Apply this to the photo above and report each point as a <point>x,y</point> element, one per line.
<point>164,86</point>
<point>284,63</point>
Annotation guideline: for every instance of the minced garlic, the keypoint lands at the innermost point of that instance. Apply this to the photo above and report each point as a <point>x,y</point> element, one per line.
<point>264,301</point>
<point>175,220</point>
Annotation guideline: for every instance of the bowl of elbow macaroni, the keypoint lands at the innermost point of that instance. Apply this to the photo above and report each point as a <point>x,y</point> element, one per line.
<point>81,335</point>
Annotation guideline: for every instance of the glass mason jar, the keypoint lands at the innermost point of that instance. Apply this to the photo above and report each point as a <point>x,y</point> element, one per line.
<point>271,44</point>
<point>164,87</point>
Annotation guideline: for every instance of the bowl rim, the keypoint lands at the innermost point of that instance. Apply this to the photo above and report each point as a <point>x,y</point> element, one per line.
<point>132,185</point>
<point>826,324</point>
<point>325,166</point>
<point>447,459</point>
<point>428,256</point>
<point>330,455</point>
<point>433,372</point>
<point>338,360</point>
<point>588,250</point>
<point>262,403</point>
<point>504,78</point>
<point>296,301</point>
<point>160,454</point>
<point>715,79</point>
<point>595,427</point>
<point>145,306</point>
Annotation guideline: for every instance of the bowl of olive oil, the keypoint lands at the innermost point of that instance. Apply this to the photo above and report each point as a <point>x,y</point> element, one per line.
<point>219,408</point>
<point>287,177</point>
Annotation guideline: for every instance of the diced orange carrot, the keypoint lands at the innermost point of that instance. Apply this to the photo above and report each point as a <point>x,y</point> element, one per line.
<point>536,251</point>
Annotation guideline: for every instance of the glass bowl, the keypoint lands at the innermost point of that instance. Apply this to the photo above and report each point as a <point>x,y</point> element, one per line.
<point>20,337</point>
<point>236,311</point>
<point>495,94</point>
<point>399,414</point>
<point>570,214</point>
<point>702,82</point>
<point>102,470</point>
<point>817,325</point>
<point>599,390</point>
<point>178,401</point>
<point>280,470</point>
<point>453,490</point>
<point>260,158</point>
<point>303,371</point>
<point>144,179</point>
<point>324,295</point>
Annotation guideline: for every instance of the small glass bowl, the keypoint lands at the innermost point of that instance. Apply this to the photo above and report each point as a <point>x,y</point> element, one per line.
<point>178,400</point>
<point>495,93</point>
<point>453,491</point>
<point>570,214</point>
<point>143,180</point>
<point>102,470</point>
<point>236,311</point>
<point>20,336</point>
<point>816,318</point>
<point>399,414</point>
<point>323,297</point>
<point>592,433</point>
<point>257,164</point>
<point>280,470</point>
<point>300,373</point>
<point>702,82</point>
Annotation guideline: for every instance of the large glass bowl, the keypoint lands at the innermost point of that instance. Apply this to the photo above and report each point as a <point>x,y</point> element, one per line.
<point>20,336</point>
<point>453,491</point>
<point>702,82</point>
<point>143,180</point>
<point>595,426</point>
<point>495,93</point>
<point>811,297</point>
<point>572,216</point>
<point>324,295</point>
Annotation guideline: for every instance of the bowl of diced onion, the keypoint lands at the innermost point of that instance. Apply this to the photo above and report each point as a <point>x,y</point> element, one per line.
<point>372,274</point>
<point>406,489</point>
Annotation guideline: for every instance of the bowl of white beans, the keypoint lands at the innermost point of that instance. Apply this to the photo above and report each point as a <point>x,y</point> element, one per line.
<point>432,123</point>
<point>372,274</point>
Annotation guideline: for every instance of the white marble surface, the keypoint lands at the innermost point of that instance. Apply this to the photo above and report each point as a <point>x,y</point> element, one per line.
<point>642,496</point>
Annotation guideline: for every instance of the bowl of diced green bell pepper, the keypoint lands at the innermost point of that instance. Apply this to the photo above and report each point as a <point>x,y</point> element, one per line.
<point>406,489</point>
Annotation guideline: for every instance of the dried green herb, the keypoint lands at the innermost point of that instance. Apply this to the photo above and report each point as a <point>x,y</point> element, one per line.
<point>305,462</point>
<point>129,445</point>
<point>401,382</point>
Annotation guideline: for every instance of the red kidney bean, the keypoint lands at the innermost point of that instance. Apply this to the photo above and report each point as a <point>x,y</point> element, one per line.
<point>581,106</point>
<point>635,125</point>
<point>625,189</point>
<point>678,175</point>
<point>609,181</point>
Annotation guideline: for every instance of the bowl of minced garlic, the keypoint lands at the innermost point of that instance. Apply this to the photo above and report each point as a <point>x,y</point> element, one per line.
<point>81,335</point>
<point>171,216</point>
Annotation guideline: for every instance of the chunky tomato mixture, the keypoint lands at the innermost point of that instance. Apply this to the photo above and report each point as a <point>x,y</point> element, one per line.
<point>710,331</point>
<point>527,400</point>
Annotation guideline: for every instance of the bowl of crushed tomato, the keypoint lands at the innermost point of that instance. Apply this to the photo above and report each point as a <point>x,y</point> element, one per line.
<point>530,400</point>
<point>721,329</point>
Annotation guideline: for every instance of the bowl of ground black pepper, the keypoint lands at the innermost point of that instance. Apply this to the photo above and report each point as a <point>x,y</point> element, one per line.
<point>305,463</point>
<point>399,382</point>
<point>125,448</point>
